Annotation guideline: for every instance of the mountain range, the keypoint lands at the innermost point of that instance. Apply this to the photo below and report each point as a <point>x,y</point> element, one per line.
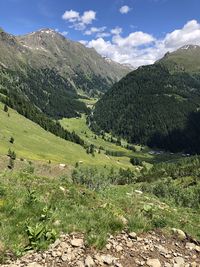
<point>52,72</point>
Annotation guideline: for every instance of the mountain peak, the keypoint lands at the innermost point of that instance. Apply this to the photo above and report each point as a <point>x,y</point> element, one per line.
<point>189,47</point>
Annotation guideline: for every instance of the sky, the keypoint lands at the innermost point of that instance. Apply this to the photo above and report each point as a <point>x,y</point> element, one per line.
<point>136,32</point>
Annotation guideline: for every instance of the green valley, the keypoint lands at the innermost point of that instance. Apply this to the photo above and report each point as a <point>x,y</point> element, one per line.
<point>99,160</point>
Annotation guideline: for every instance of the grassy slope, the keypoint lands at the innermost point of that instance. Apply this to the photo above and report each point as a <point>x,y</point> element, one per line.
<point>32,142</point>
<point>80,127</point>
<point>78,209</point>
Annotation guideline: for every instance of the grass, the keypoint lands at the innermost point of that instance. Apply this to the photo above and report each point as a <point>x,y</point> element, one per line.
<point>80,127</point>
<point>89,102</point>
<point>61,206</point>
<point>34,143</point>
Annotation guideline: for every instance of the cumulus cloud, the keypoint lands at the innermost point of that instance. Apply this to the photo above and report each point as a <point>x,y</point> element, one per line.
<point>99,32</point>
<point>190,33</point>
<point>79,22</point>
<point>133,39</point>
<point>93,30</point>
<point>116,31</point>
<point>139,48</point>
<point>88,17</point>
<point>124,9</point>
<point>71,15</point>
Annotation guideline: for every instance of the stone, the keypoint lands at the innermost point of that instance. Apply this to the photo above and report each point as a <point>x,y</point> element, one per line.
<point>123,219</point>
<point>132,235</point>
<point>153,263</point>
<point>179,233</point>
<point>197,248</point>
<point>64,257</point>
<point>193,264</point>
<point>118,248</point>
<point>59,254</point>
<point>190,246</point>
<point>54,253</point>
<point>138,192</point>
<point>56,223</point>
<point>77,242</point>
<point>129,244</point>
<point>80,264</point>
<point>107,259</point>
<point>162,250</point>
<point>89,262</point>
<point>179,261</point>
<point>34,264</point>
<point>108,246</point>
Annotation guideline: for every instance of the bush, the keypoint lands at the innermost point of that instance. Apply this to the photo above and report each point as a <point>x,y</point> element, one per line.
<point>136,161</point>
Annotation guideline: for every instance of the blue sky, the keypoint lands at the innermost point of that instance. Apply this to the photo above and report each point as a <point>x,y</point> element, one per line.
<point>129,31</point>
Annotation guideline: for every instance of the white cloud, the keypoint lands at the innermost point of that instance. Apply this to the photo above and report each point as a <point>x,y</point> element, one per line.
<point>124,9</point>
<point>71,15</point>
<point>99,32</point>
<point>93,30</point>
<point>190,33</point>
<point>64,33</point>
<point>79,22</point>
<point>88,17</point>
<point>116,31</point>
<point>102,34</point>
<point>133,39</point>
<point>83,42</point>
<point>139,48</point>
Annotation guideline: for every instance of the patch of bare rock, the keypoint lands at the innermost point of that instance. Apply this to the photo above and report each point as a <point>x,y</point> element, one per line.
<point>124,250</point>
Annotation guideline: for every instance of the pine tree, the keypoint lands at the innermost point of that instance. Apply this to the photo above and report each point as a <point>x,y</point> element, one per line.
<point>11,164</point>
<point>12,140</point>
<point>9,153</point>
<point>5,109</point>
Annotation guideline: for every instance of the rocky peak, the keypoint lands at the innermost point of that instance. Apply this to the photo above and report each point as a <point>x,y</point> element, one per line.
<point>190,47</point>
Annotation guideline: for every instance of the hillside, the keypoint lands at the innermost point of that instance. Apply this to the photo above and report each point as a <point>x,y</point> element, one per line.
<point>50,72</point>
<point>82,67</point>
<point>34,143</point>
<point>156,216</point>
<point>153,106</point>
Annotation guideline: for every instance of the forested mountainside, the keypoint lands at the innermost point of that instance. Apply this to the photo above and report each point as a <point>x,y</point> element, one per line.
<point>155,106</point>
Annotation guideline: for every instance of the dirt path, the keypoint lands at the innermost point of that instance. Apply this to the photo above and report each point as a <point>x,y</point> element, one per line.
<point>124,250</point>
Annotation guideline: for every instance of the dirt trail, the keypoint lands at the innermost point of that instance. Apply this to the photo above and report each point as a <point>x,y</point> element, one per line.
<point>153,249</point>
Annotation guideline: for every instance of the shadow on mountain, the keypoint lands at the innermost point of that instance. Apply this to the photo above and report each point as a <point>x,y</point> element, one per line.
<point>180,140</point>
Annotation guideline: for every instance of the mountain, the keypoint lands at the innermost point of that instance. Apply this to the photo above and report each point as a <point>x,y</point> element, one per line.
<point>157,105</point>
<point>83,67</point>
<point>50,71</point>
<point>185,59</point>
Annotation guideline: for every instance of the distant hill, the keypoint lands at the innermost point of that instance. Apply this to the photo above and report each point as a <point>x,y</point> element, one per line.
<point>157,105</point>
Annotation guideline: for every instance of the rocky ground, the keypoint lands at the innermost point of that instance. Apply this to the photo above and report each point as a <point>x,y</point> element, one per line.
<point>124,250</point>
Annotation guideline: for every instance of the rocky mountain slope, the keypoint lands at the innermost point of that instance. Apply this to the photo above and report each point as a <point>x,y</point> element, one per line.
<point>83,67</point>
<point>157,105</point>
